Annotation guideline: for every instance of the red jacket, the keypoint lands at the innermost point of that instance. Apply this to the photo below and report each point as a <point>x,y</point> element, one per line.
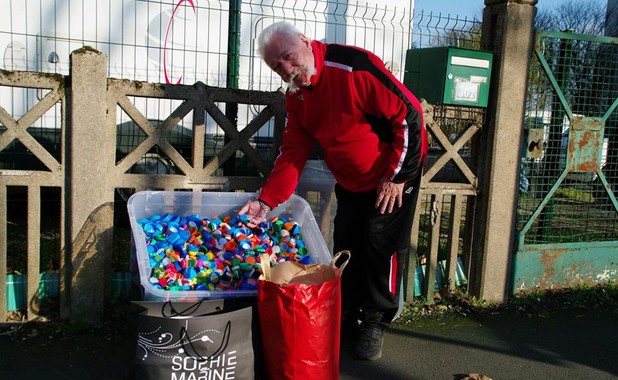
<point>368,123</point>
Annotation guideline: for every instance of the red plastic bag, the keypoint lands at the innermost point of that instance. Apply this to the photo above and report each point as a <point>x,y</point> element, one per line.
<point>299,308</point>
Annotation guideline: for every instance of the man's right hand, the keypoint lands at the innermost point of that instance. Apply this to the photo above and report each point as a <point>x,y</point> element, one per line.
<point>255,211</point>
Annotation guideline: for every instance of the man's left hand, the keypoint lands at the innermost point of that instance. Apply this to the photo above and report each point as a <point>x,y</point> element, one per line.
<point>389,195</point>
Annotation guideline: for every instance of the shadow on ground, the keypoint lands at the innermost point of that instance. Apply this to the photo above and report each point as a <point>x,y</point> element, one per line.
<point>561,345</point>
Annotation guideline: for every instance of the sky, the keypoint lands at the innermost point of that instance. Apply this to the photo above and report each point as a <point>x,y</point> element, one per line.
<point>467,8</point>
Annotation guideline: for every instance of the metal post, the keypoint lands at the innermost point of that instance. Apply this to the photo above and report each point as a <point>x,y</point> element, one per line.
<point>611,30</point>
<point>233,64</point>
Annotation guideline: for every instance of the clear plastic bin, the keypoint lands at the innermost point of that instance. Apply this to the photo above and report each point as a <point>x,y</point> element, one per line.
<point>145,204</point>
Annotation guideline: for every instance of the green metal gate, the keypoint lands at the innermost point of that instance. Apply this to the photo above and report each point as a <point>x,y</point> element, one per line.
<point>567,209</point>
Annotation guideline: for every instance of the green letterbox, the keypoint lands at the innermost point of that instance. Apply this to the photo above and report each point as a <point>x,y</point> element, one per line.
<point>448,75</point>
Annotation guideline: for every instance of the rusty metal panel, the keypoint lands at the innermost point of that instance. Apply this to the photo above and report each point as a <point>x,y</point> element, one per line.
<point>585,148</point>
<point>567,265</point>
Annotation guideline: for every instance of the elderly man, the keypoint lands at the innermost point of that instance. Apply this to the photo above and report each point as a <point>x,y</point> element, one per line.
<point>373,136</point>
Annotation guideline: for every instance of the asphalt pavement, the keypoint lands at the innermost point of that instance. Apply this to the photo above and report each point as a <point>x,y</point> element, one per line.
<point>565,346</point>
<point>568,345</point>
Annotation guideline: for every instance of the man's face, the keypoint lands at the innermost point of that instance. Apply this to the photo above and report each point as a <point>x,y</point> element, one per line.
<point>291,59</point>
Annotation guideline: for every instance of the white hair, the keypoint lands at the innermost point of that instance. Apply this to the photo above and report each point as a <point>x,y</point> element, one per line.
<point>283,28</point>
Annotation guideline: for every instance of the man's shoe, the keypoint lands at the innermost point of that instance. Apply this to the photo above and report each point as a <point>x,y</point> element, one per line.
<point>369,346</point>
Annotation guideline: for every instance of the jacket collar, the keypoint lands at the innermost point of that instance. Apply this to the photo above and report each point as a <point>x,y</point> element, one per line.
<point>319,52</point>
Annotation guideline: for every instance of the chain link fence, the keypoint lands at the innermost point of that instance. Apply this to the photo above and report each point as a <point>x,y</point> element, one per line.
<point>569,163</point>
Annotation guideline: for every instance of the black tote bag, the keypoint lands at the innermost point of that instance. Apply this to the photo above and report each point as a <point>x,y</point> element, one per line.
<point>209,339</point>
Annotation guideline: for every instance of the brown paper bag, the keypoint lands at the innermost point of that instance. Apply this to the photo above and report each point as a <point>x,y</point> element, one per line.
<point>289,272</point>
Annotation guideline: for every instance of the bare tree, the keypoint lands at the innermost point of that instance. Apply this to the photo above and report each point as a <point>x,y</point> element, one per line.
<point>578,16</point>
<point>579,65</point>
<point>469,37</point>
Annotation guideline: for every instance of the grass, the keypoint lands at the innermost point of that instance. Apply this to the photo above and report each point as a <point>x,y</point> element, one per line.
<point>569,193</point>
<point>538,303</point>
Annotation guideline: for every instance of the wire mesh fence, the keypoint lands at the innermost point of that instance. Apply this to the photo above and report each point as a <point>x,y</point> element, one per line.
<point>170,41</point>
<point>185,42</point>
<point>569,165</point>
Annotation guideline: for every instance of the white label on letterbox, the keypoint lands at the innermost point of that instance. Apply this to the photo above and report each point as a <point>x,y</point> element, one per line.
<point>470,62</point>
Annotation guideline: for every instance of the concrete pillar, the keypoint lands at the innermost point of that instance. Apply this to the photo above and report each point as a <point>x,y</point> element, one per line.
<point>508,31</point>
<point>88,193</point>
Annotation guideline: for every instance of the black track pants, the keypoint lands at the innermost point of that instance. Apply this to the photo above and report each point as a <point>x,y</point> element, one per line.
<point>379,245</point>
